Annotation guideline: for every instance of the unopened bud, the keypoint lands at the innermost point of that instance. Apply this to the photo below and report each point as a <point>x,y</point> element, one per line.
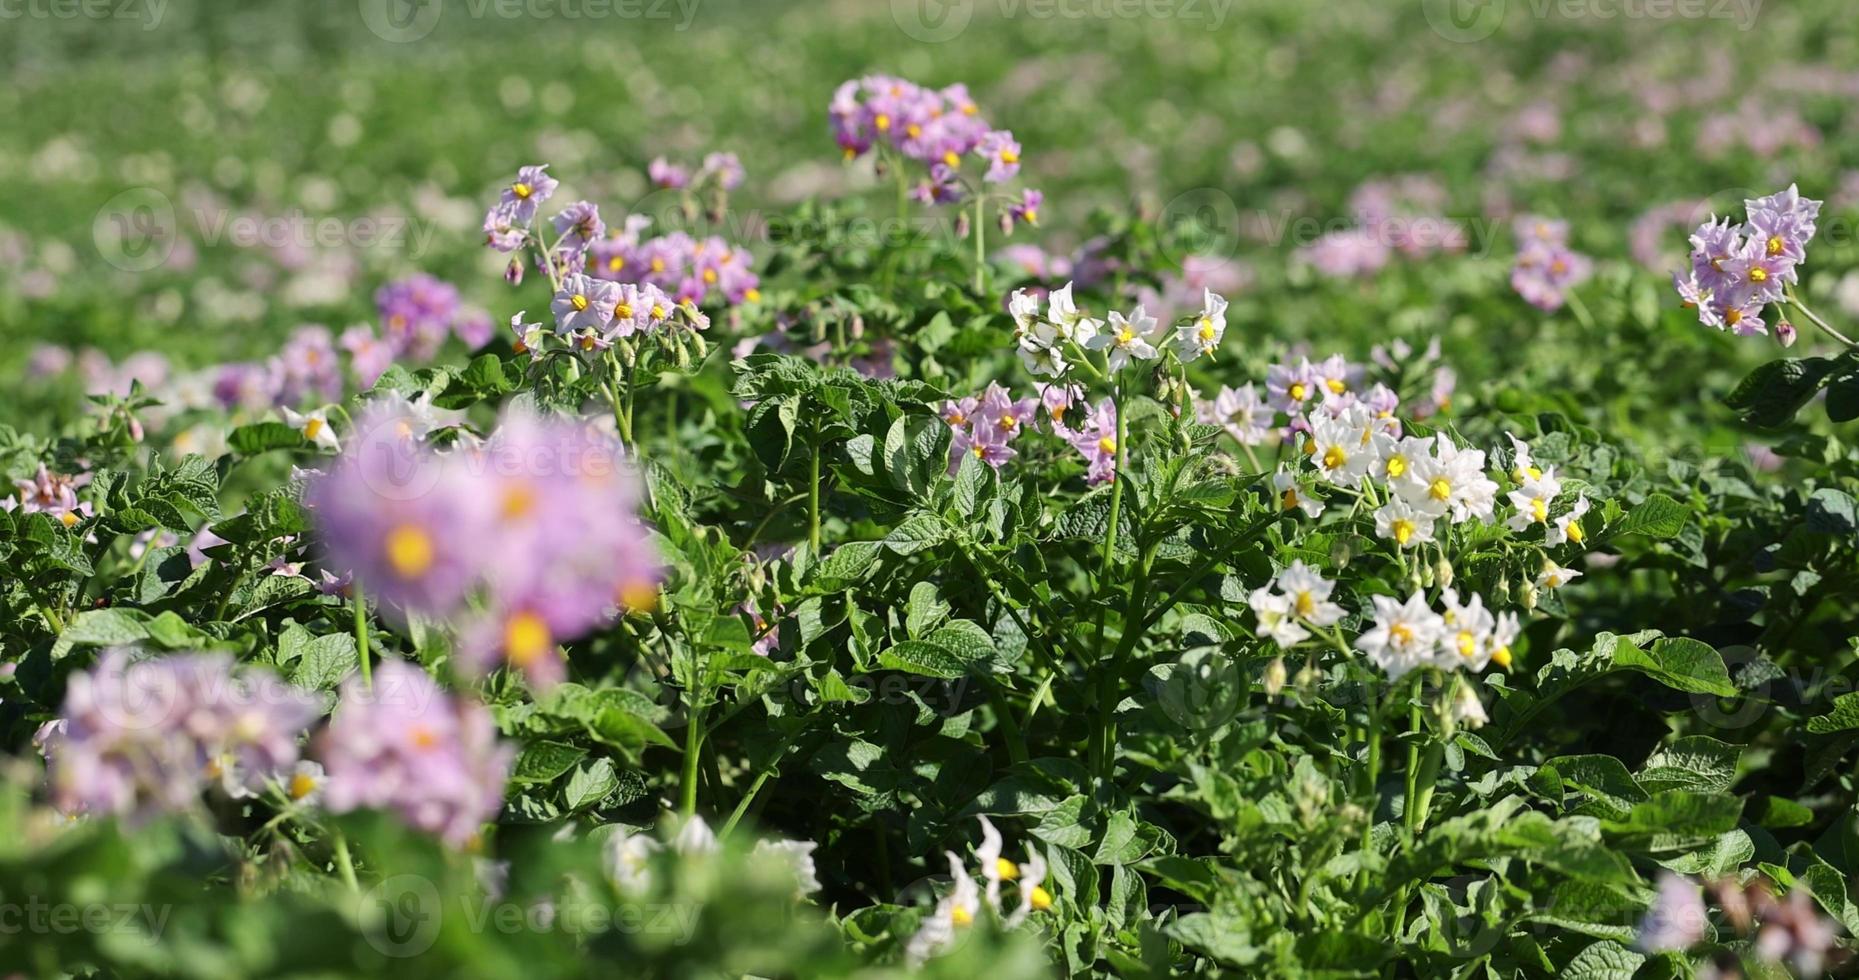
<point>698,347</point>
<point>1442,573</point>
<point>1274,678</point>
<point>1006,222</point>
<point>513,273</point>
<point>628,356</point>
<point>856,328</point>
<point>681,354</point>
<point>1529,596</point>
<point>961,225</point>
<point>1785,333</point>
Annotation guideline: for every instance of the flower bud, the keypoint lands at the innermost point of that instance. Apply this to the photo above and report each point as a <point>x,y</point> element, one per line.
<point>1785,333</point>
<point>1274,678</point>
<point>1529,596</point>
<point>961,225</point>
<point>1443,573</point>
<point>1006,222</point>
<point>513,273</point>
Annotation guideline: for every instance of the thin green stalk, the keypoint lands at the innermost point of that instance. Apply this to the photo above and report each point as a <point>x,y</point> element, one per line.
<point>693,751</point>
<point>1016,743</point>
<point>343,864</point>
<point>1116,482</point>
<point>813,502</point>
<point>359,599</point>
<point>981,237</point>
<point>1795,299</point>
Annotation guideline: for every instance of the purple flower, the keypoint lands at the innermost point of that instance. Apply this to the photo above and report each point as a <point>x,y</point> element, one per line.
<point>369,357</point>
<point>502,230</point>
<point>416,315</point>
<point>531,187</point>
<point>408,747</point>
<point>668,175</point>
<point>725,168</point>
<point>1097,440</point>
<point>52,494</point>
<point>584,302</point>
<point>1783,223</point>
<point>579,226</point>
<point>1676,921</point>
<point>1002,154</point>
<point>406,521</point>
<point>143,735</point>
<point>308,367</point>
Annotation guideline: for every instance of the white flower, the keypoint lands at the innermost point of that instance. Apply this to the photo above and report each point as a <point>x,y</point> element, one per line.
<point>1289,494</point>
<point>1276,617</point>
<point>1568,526</point>
<point>1554,576</point>
<point>1405,635</point>
<point>799,857</point>
<point>1522,464</point>
<point>1465,709</point>
<point>625,860</point>
<point>1503,634</point>
<point>1398,521</point>
<point>315,427</point>
<point>1394,457</point>
<point>1309,593</point>
<point>1039,350</point>
<point>694,837</point>
<point>1068,320</point>
<point>1342,449</point>
<point>1533,500</point>
<point>956,910</point>
<point>1451,480</point>
<point>1202,334</point>
<point>1127,339</point>
<point>1033,897</point>
<point>1241,413</point>
<point>304,785</point>
<point>989,854</point>
<point>1025,309</point>
<point>1470,632</point>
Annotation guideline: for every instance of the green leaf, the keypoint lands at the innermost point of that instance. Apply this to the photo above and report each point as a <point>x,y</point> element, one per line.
<point>1658,516</point>
<point>1678,662</point>
<point>915,534</point>
<point>263,437</point>
<point>1843,717</point>
<point>1771,394</point>
<point>1695,762</point>
<point>589,785</point>
<point>544,761</point>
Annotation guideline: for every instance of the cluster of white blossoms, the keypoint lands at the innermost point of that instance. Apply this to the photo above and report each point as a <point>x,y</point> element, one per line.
<point>627,857</point>
<point>1045,339</point>
<point>959,908</point>
<point>1536,492</point>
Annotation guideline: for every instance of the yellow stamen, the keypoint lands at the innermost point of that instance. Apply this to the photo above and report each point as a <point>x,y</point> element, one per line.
<point>1501,657</point>
<point>882,121</point>
<point>914,130</point>
<point>526,639</point>
<point>312,427</point>
<point>1402,633</point>
<point>1040,899</point>
<point>953,159</point>
<point>69,518</point>
<point>1775,244</point>
<point>1403,530</point>
<point>423,737</point>
<point>1758,274</point>
<point>1288,498</point>
<point>623,311</point>
<point>409,551</point>
<point>1337,386</point>
<point>1468,644</point>
<point>1298,392</point>
<point>710,276</point>
<point>1334,457</point>
<point>518,502</point>
<point>1439,489</point>
<point>301,785</point>
<point>1006,870</point>
<point>1306,606</point>
<point>522,190</point>
<point>960,915</point>
<point>1107,444</point>
<point>579,302</point>
<point>1397,465</point>
<point>752,295</point>
<point>1539,509</point>
<point>1575,533</point>
<point>1010,156</point>
<point>639,596</point>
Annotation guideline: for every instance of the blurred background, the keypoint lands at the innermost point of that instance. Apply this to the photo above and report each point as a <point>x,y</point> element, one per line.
<point>191,181</point>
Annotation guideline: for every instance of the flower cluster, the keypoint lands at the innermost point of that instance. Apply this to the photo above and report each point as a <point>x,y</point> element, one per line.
<point>407,746</point>
<point>1738,270</point>
<point>1546,268</point>
<point>986,426</point>
<point>939,128</point>
<point>1397,215</point>
<point>627,857</point>
<point>138,736</point>
<point>539,519</point>
<point>417,314</point>
<point>962,905</point>
<point>722,169</point>
<point>1049,343</point>
<point>671,270</point>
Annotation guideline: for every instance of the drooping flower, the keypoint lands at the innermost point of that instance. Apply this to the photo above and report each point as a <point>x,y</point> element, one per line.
<point>1567,527</point>
<point>1201,336</point>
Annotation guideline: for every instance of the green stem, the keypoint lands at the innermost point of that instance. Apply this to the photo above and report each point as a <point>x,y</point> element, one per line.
<point>981,238</point>
<point>813,502</point>
<point>1116,483</point>
<point>693,752</point>
<point>1795,298</point>
<point>1016,744</point>
<point>360,601</point>
<point>343,864</point>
